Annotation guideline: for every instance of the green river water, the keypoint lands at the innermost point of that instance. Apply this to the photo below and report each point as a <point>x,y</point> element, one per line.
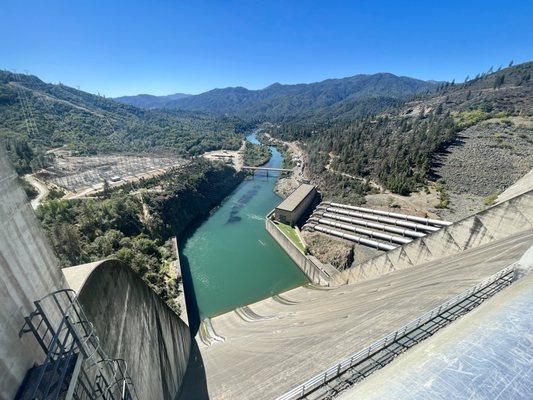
<point>230,260</point>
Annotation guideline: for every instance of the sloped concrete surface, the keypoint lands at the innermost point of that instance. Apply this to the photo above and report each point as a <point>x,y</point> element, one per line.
<point>521,186</point>
<point>484,355</point>
<point>29,271</point>
<point>133,323</point>
<point>313,329</point>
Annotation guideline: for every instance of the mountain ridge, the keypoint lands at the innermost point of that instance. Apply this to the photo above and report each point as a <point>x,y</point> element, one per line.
<point>401,147</point>
<point>149,101</point>
<point>278,102</point>
<point>46,115</point>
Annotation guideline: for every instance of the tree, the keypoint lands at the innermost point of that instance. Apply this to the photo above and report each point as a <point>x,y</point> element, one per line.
<point>499,81</point>
<point>106,190</point>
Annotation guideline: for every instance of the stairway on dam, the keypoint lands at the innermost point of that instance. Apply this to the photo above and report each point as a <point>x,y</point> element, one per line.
<point>281,342</point>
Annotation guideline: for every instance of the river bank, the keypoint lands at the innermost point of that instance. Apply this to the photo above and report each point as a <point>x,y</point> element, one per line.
<point>293,157</point>
<point>256,155</point>
<point>229,260</point>
<point>134,223</point>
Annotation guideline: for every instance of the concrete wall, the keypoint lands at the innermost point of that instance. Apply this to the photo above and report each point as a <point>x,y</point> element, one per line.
<point>28,272</point>
<point>133,323</point>
<point>310,266</point>
<point>497,222</point>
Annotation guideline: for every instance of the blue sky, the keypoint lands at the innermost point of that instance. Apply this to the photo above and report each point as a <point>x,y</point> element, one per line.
<point>162,47</point>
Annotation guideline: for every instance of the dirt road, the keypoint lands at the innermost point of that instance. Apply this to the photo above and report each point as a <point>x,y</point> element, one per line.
<point>41,188</point>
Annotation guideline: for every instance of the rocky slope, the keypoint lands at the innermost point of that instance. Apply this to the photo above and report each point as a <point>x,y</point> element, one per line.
<point>487,157</point>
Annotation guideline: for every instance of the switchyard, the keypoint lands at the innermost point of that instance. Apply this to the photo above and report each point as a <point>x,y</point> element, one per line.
<point>87,174</point>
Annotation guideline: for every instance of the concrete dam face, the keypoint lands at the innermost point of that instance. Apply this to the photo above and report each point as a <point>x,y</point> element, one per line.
<point>84,339</point>
<point>134,324</point>
<point>29,271</point>
<point>304,339</point>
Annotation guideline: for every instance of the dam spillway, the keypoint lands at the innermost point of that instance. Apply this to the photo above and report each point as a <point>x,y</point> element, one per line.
<point>302,333</point>
<point>230,259</point>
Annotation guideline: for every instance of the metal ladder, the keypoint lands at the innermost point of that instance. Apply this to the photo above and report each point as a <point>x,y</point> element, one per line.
<point>75,366</point>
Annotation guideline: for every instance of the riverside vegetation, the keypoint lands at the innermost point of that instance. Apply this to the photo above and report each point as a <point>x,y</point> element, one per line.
<point>256,155</point>
<point>135,222</point>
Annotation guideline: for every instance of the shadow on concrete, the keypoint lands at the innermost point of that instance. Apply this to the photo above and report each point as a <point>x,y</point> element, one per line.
<point>194,382</point>
<point>193,311</point>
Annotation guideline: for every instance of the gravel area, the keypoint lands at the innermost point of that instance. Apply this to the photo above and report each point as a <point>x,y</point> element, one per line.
<point>285,186</point>
<point>327,249</point>
<point>488,157</point>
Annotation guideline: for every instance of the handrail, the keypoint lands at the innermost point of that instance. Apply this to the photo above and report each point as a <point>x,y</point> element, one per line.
<point>75,334</point>
<point>338,368</point>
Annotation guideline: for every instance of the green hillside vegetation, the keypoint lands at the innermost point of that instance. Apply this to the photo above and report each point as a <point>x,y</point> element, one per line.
<point>256,154</point>
<point>345,98</point>
<point>46,116</point>
<point>117,226</point>
<point>396,147</point>
<point>149,101</point>
<point>292,234</point>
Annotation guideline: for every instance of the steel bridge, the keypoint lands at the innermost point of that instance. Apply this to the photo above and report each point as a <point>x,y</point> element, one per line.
<point>267,169</point>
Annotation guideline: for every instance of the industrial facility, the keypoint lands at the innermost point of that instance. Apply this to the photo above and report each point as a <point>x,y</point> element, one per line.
<point>290,210</point>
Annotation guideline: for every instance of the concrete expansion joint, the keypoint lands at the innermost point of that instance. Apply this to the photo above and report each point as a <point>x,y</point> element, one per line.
<point>8,178</point>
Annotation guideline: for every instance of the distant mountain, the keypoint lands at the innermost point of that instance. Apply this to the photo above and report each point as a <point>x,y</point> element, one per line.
<point>347,97</point>
<point>149,101</point>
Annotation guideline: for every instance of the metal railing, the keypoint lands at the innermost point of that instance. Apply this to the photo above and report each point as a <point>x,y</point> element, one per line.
<point>75,365</point>
<point>341,367</point>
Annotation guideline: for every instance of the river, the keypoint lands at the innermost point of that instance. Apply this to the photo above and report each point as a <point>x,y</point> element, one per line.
<point>230,260</point>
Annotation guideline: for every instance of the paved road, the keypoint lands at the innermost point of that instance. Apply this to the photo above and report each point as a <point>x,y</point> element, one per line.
<point>265,358</point>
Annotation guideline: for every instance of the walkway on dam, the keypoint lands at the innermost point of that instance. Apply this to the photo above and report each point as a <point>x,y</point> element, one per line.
<point>483,355</point>
<point>276,344</point>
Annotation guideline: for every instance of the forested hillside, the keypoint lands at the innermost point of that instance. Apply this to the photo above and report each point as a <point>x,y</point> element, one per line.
<point>397,148</point>
<point>149,101</point>
<point>46,115</point>
<point>342,98</point>
<point>134,222</point>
